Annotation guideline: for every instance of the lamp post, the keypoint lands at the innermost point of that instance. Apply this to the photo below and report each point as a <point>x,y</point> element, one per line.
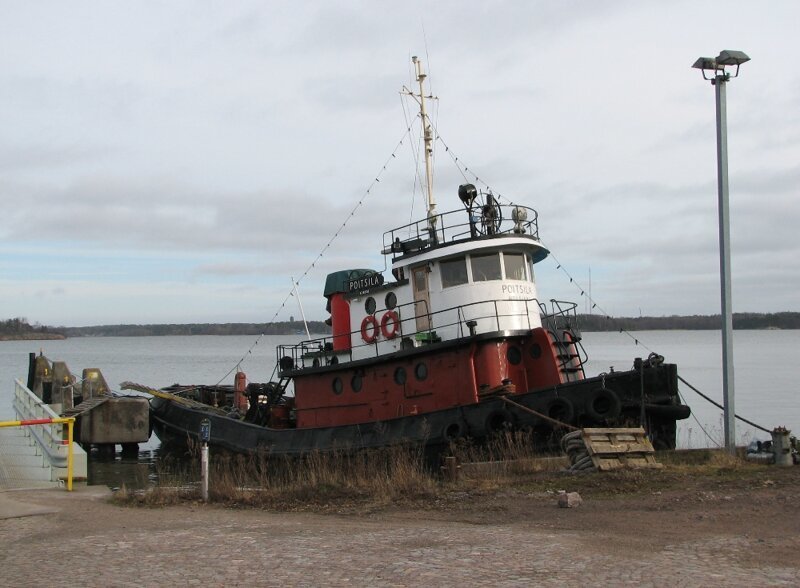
<point>719,78</point>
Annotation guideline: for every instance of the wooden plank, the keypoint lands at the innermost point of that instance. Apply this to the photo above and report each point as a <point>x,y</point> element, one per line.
<point>620,448</point>
<point>607,431</point>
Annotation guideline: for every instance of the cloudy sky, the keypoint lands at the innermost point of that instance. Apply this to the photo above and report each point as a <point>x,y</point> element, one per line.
<point>178,162</point>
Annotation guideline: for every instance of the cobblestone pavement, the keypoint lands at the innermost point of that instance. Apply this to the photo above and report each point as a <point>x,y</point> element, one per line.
<point>89,542</point>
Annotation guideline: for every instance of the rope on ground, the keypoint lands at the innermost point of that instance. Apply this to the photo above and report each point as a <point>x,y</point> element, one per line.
<point>575,448</point>
<point>718,405</point>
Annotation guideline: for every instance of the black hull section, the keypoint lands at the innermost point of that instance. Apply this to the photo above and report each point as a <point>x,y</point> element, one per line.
<point>616,399</point>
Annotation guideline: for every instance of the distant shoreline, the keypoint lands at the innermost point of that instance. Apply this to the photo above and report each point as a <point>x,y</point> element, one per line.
<point>586,322</point>
<point>33,337</point>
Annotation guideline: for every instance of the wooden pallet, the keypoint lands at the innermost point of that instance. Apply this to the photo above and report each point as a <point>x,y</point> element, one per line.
<point>614,449</point>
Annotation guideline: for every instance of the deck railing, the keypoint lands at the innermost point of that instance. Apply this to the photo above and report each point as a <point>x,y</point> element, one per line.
<point>455,225</point>
<point>457,322</point>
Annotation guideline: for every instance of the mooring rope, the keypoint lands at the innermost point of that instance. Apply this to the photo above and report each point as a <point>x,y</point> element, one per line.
<point>718,405</point>
<point>540,415</point>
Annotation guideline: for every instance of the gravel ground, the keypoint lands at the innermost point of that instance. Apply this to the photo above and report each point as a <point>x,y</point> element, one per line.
<point>744,533</point>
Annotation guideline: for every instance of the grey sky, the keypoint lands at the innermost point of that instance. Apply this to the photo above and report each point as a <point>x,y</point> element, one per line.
<point>177,162</point>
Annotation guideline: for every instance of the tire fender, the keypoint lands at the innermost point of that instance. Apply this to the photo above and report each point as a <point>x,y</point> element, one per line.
<point>603,404</point>
<point>561,409</point>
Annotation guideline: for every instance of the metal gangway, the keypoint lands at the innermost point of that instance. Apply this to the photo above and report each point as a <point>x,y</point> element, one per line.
<point>37,450</point>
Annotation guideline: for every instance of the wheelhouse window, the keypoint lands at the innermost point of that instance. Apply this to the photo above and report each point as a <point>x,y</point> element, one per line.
<point>485,267</point>
<point>514,265</point>
<point>530,268</point>
<point>454,272</point>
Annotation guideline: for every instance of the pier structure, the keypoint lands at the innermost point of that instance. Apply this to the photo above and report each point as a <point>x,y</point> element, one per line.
<point>36,453</point>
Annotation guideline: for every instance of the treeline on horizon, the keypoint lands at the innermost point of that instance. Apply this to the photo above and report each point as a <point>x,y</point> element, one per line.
<point>741,320</point>
<point>19,328</point>
<point>278,328</point>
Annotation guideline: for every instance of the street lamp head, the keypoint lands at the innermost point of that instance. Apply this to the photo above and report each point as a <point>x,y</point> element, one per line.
<point>717,64</point>
<point>729,57</point>
<point>705,63</point>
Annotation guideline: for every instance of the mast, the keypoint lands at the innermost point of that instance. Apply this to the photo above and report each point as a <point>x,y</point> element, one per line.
<point>428,139</point>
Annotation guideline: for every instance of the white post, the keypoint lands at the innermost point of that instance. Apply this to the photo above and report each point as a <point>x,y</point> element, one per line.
<point>204,470</point>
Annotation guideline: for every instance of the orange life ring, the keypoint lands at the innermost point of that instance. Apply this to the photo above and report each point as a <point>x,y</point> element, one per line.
<point>390,331</point>
<point>369,328</point>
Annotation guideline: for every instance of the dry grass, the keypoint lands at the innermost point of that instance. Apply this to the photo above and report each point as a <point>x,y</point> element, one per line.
<point>374,477</point>
<point>343,482</point>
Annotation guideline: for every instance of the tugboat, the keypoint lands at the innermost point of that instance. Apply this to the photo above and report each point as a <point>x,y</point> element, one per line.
<point>455,344</point>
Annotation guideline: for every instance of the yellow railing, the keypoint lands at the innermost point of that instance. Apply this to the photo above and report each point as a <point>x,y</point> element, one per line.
<point>70,421</point>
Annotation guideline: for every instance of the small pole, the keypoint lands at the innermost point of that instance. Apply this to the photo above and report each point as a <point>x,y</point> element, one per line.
<point>450,469</point>
<point>70,423</point>
<point>204,470</point>
<point>205,437</point>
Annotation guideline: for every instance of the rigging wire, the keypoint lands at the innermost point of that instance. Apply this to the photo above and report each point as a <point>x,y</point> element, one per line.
<point>583,292</point>
<point>319,256</point>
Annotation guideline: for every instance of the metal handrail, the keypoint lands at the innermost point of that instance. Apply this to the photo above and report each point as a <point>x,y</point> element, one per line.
<point>322,347</point>
<point>417,235</point>
<point>69,421</point>
<point>49,438</point>
<point>563,318</point>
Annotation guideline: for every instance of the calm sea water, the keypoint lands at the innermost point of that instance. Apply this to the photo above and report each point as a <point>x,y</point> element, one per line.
<point>766,387</point>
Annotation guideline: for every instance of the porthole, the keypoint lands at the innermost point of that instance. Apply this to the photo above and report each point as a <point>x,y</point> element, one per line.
<point>421,371</point>
<point>370,305</point>
<point>334,361</point>
<point>391,301</point>
<point>337,385</point>
<point>400,375</point>
<point>356,382</point>
<point>514,355</point>
<point>536,351</point>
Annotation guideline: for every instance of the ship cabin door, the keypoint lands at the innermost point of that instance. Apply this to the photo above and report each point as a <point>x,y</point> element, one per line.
<point>422,299</point>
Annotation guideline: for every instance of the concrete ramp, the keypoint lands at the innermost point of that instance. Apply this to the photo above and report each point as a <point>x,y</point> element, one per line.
<point>21,463</point>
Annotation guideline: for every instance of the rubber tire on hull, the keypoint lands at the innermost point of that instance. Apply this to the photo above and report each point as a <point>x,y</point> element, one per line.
<point>603,405</point>
<point>668,411</point>
<point>453,432</point>
<point>498,421</point>
<point>561,409</point>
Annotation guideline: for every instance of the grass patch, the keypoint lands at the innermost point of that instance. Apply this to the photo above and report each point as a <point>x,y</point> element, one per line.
<point>318,481</point>
<point>376,479</point>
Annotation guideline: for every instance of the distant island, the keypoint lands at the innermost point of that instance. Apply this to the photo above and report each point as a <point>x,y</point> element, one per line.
<point>20,329</point>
